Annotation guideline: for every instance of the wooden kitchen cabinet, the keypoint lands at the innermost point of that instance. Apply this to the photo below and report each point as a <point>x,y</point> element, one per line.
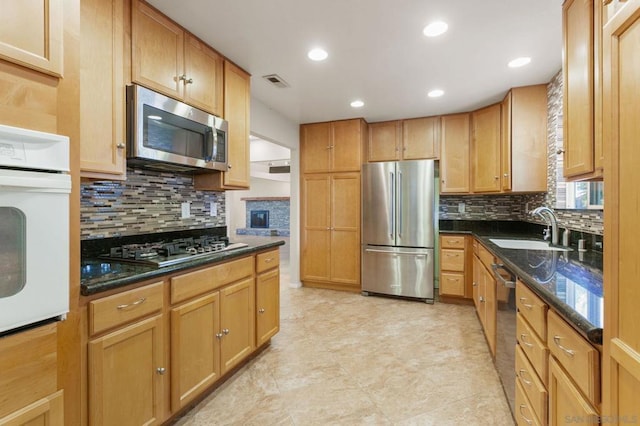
<point>385,141</point>
<point>267,296</point>
<point>485,149</point>
<point>621,342</point>
<point>237,319</point>
<point>524,139</point>
<point>31,35</point>
<point>411,139</point>
<point>334,146</point>
<point>127,380</point>
<point>565,400</point>
<point>102,89</point>
<point>47,411</point>
<point>582,100</point>
<point>453,270</point>
<point>454,154</point>
<point>484,293</point>
<point>169,60</point>
<point>330,240</point>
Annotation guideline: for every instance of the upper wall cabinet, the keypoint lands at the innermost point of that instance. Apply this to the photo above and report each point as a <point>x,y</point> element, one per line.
<point>454,154</point>
<point>31,34</point>
<point>102,88</point>
<point>169,60</point>
<point>485,149</point>
<point>524,139</point>
<point>412,139</point>
<point>582,21</point>
<point>333,146</point>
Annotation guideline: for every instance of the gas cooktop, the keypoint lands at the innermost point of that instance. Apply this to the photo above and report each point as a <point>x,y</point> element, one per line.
<point>166,253</point>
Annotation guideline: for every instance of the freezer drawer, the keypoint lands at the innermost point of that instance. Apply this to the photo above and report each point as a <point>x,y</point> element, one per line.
<point>398,271</point>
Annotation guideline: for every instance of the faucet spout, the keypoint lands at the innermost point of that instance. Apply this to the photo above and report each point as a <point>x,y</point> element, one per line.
<point>550,218</point>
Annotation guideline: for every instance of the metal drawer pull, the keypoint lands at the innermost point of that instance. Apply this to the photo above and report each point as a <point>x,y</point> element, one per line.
<point>522,299</point>
<point>452,255</point>
<point>525,381</point>
<point>505,282</point>
<point>453,242</point>
<point>453,279</point>
<point>132,305</point>
<point>268,260</point>
<point>523,338</point>
<point>523,416</point>
<point>556,340</point>
<point>261,311</point>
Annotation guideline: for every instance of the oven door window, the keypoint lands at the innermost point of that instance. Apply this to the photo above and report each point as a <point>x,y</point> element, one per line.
<point>171,133</point>
<point>13,254</point>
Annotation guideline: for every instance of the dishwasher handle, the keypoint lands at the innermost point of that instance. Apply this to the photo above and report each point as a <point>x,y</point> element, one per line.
<point>499,277</point>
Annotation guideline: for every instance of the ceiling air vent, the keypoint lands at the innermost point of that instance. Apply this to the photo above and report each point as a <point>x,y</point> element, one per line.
<point>276,80</point>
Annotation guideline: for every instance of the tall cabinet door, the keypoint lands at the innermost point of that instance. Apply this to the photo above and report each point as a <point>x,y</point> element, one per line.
<point>315,147</point>
<point>315,211</point>
<point>345,228</point>
<point>236,111</point>
<point>346,145</point>
<point>486,149</point>
<point>454,154</point>
<point>621,341</point>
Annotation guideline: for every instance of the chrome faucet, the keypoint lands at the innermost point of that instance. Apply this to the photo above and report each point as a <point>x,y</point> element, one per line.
<point>550,217</point>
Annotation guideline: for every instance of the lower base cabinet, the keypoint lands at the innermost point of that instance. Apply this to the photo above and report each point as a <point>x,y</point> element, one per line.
<point>268,305</point>
<point>566,403</point>
<point>47,411</point>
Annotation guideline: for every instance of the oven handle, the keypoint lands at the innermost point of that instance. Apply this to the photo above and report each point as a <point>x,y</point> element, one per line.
<point>13,180</point>
<point>505,282</point>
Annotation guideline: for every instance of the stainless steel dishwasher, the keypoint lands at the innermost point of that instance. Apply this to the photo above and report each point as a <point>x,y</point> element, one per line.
<point>506,331</point>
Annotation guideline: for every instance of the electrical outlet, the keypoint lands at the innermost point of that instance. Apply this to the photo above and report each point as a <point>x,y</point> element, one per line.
<point>185,210</point>
<point>526,207</point>
<point>461,207</point>
<point>213,208</point>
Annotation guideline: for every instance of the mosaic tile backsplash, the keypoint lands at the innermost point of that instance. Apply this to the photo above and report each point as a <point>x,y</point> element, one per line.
<point>147,202</point>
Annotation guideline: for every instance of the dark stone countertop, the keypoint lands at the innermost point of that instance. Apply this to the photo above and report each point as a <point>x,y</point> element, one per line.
<point>98,275</point>
<point>570,282</point>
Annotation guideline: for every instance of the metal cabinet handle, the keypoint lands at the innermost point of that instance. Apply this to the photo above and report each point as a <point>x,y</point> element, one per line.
<point>525,381</point>
<point>560,151</point>
<point>161,370</point>
<point>453,241</point>
<point>522,299</point>
<point>120,145</point>
<point>481,299</point>
<point>556,340</point>
<point>229,166</point>
<point>269,260</point>
<point>506,175</point>
<point>506,283</point>
<point>452,255</point>
<point>453,279</point>
<point>523,416</point>
<point>261,311</point>
<point>225,331</point>
<point>219,335</point>
<point>474,284</point>
<point>185,80</point>
<point>523,340</point>
<point>132,305</point>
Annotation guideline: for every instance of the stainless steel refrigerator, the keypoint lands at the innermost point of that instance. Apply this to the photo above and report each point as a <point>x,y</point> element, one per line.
<point>398,228</point>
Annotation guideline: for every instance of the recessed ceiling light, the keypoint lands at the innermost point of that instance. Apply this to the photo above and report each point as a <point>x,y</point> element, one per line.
<point>317,54</point>
<point>357,104</point>
<point>519,62</point>
<point>435,93</point>
<point>435,29</point>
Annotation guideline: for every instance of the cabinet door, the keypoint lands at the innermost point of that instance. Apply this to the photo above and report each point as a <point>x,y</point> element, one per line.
<point>384,141</point>
<point>566,403</point>
<point>127,382</point>
<point>490,307</point>
<point>621,341</point>
<point>486,149</point>
<point>578,31</point>
<point>31,34</point>
<point>454,154</point>
<point>203,70</point>
<point>237,99</point>
<point>478,279</point>
<point>48,411</point>
<point>345,228</point>
<point>102,104</point>
<point>346,152</point>
<point>195,348</point>
<point>157,57</point>
<point>421,138</point>
<point>315,147</point>
<point>316,233</point>
<point>505,141</point>
<point>237,320</point>
<point>267,305</point>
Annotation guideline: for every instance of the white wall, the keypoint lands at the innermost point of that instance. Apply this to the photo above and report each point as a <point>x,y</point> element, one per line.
<point>259,188</point>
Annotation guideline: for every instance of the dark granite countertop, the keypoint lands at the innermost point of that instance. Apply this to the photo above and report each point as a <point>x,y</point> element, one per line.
<point>570,282</point>
<point>98,275</point>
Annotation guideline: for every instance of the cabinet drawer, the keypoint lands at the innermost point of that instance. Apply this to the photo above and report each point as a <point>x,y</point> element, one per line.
<point>268,260</point>
<point>533,309</point>
<point>452,260</point>
<point>523,412</point>
<point>124,307</point>
<point>576,355</point>
<point>486,257</point>
<point>186,286</point>
<point>535,349</point>
<point>452,241</point>
<point>531,384</point>
<point>452,283</point>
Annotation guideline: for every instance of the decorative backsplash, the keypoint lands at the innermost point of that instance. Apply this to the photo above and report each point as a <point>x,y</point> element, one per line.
<point>147,202</point>
<point>482,207</point>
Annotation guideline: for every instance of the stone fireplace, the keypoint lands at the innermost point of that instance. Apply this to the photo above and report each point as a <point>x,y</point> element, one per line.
<point>266,216</point>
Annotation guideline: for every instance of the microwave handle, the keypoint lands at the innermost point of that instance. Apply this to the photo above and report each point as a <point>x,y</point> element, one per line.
<point>211,144</point>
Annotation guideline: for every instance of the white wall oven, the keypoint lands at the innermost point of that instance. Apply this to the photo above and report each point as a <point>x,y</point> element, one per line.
<point>34,227</point>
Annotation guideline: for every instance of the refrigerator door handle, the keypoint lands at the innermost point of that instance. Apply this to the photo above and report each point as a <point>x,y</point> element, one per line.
<point>392,196</point>
<point>400,213</point>
<point>396,252</point>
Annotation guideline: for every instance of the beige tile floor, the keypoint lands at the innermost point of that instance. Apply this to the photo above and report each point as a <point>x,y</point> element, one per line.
<point>346,359</point>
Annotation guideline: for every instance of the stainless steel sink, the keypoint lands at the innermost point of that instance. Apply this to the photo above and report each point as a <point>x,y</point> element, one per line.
<point>516,244</point>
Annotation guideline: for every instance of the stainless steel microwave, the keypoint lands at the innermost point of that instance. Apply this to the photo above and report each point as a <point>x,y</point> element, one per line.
<point>165,134</point>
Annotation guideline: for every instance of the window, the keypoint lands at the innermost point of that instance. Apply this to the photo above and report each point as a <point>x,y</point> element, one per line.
<point>585,195</point>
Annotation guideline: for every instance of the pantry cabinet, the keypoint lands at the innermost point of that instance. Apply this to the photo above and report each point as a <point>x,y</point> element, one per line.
<point>31,35</point>
<point>169,60</point>
<point>102,89</point>
<point>485,149</point>
<point>455,154</point>
<point>621,361</point>
<point>334,146</point>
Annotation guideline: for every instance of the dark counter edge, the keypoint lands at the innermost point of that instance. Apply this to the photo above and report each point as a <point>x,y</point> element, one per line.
<point>584,327</point>
<point>89,289</point>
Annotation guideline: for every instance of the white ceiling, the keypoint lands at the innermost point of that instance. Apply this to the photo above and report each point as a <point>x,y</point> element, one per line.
<point>377,52</point>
